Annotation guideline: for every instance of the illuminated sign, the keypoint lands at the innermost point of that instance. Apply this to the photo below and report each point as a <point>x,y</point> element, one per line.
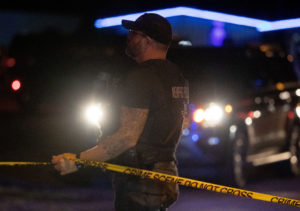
<point>260,25</point>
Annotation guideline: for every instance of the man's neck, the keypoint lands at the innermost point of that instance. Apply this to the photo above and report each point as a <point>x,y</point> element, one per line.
<point>151,55</point>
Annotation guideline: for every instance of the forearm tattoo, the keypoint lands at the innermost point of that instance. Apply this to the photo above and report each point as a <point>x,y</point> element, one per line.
<point>132,124</point>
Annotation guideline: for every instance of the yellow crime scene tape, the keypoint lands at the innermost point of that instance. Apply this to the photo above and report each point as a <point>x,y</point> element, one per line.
<point>23,163</point>
<point>157,176</point>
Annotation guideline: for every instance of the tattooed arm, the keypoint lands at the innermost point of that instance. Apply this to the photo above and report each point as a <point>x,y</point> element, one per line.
<point>132,124</point>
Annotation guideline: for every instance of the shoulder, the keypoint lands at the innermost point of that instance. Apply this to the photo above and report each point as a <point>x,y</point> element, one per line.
<point>141,72</point>
<point>139,79</point>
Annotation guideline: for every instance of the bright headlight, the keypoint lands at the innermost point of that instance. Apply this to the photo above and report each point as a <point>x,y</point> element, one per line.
<point>213,114</point>
<point>210,116</point>
<point>94,114</point>
<point>199,115</point>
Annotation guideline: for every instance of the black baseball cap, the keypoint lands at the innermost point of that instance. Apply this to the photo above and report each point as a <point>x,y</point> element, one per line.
<point>153,25</point>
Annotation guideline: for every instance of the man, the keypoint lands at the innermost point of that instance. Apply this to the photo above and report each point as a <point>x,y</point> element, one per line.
<point>152,103</point>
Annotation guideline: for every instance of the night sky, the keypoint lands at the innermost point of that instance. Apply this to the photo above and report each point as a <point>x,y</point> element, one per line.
<point>85,14</point>
<point>266,9</point>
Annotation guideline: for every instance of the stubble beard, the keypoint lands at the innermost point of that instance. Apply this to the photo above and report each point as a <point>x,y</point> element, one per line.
<point>134,50</point>
<point>130,52</point>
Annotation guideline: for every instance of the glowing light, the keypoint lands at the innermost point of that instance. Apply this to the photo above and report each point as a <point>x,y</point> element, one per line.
<point>263,48</point>
<point>259,24</point>
<point>233,128</point>
<point>191,12</point>
<point>264,26</point>
<point>199,115</point>
<point>217,34</point>
<point>250,114</point>
<point>93,114</point>
<point>294,159</point>
<point>10,62</point>
<point>186,132</point>
<point>185,43</point>
<point>257,100</point>
<point>248,121</point>
<point>228,109</point>
<point>269,54</point>
<point>210,116</point>
<point>290,58</point>
<point>16,85</point>
<point>195,137</point>
<point>258,82</point>
<point>281,24</point>
<point>284,95</point>
<point>213,141</point>
<point>256,114</point>
<point>271,108</point>
<point>298,110</point>
<point>213,113</point>
<point>280,86</point>
<point>193,126</point>
<point>291,115</point>
<point>297,92</point>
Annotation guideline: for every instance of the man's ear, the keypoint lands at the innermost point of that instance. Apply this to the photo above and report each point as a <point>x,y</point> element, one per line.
<point>149,40</point>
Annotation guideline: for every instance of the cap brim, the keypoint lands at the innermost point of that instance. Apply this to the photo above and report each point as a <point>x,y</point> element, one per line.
<point>128,24</point>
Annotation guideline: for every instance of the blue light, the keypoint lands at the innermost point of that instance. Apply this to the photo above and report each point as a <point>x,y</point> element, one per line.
<point>116,21</point>
<point>264,26</point>
<point>213,141</point>
<point>187,11</point>
<point>193,126</point>
<point>217,34</point>
<point>195,137</point>
<point>186,132</point>
<point>259,83</point>
<point>260,25</point>
<point>281,24</point>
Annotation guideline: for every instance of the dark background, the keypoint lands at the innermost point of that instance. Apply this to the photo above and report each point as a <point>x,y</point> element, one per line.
<point>267,9</point>
<point>28,135</point>
<point>64,65</point>
<point>61,69</point>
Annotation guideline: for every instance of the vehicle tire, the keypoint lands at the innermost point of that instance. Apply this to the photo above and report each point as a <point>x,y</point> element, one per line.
<point>295,150</point>
<point>236,171</point>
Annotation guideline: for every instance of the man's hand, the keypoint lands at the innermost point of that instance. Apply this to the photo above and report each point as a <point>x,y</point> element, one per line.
<point>63,164</point>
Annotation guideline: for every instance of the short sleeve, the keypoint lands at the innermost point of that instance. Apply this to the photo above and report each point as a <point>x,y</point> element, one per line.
<point>136,89</point>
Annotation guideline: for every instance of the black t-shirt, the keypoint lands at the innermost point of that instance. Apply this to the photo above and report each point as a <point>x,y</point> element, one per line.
<point>157,85</point>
